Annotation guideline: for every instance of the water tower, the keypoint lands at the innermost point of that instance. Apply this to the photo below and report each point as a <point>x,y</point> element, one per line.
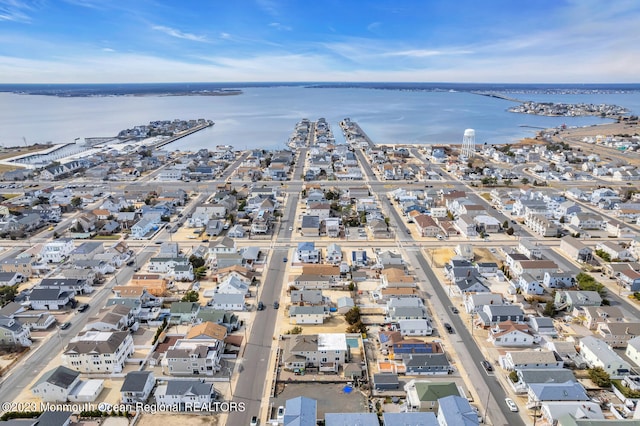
<point>468,144</point>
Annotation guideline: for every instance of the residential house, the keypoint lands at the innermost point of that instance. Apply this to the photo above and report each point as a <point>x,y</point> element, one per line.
<point>617,334</point>
<point>300,411</point>
<point>423,395</point>
<point>385,381</point>
<point>530,359</point>
<point>561,280</point>
<point>228,302</point>
<point>586,220</point>
<point>57,251</point>
<point>70,285</point>
<point>223,245</point>
<point>474,302</point>
<point>345,304</point>
<point>310,226</point>
<point>183,312</point>
<point>594,315</point>
<point>87,251</point>
<point>50,299</point>
<point>527,377</point>
<point>190,357</point>
<point>307,314</point>
<point>142,229</point>
<point>332,227</point>
<point>307,253</point>
<point>426,364</point>
<point>454,410</point>
<point>307,297</point>
<point>543,326</point>
<point>570,300</point>
<point>217,316</point>
<point>137,387</point>
<point>629,279</point>
<point>529,285</point>
<point>598,354</point>
<point>427,226</point>
<point>510,334</point>
<point>334,254</point>
<point>553,411</point>
<point>233,285</point>
<point>113,318</point>
<point>340,419</point>
<point>543,392</point>
<point>98,351</point>
<point>536,268</point>
<point>615,250</point>
<point>575,249</point>
<point>13,333</point>
<point>491,315</point>
<point>633,351</point>
<point>56,384</point>
<point>207,330</point>
<point>415,327</point>
<point>187,395</point>
<point>325,351</point>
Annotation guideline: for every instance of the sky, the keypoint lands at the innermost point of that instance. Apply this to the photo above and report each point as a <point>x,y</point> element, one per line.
<point>491,41</point>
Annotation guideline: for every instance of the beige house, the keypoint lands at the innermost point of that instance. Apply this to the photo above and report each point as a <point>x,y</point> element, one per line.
<point>98,352</point>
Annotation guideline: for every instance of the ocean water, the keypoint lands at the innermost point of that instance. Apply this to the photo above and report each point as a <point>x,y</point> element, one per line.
<point>264,117</point>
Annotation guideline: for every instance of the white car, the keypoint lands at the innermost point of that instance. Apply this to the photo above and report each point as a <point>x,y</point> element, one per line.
<point>512,405</point>
<point>280,413</point>
<point>291,228</point>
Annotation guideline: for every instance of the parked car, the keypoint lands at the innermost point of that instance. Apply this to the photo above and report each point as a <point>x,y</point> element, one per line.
<point>512,405</point>
<point>454,309</point>
<point>131,263</point>
<point>65,325</point>
<point>280,415</point>
<point>486,365</point>
<point>83,307</point>
<point>276,305</point>
<point>260,306</point>
<point>254,421</point>
<point>285,260</point>
<point>448,327</point>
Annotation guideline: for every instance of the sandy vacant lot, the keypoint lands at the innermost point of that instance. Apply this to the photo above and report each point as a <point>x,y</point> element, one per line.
<point>177,420</point>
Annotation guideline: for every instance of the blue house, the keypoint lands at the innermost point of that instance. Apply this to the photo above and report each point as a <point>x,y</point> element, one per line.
<point>454,410</point>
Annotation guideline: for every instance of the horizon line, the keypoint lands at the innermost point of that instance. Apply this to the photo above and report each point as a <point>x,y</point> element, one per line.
<point>325,82</point>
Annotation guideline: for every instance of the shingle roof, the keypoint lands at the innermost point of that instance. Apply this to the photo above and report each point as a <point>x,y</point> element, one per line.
<point>135,381</point>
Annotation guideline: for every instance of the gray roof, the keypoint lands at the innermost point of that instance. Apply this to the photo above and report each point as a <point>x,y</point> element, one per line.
<point>385,378</point>
<point>504,310</point>
<point>228,298</point>
<point>306,310</point>
<point>86,248</point>
<point>553,375</point>
<point>310,222</point>
<point>189,387</point>
<point>300,411</point>
<point>135,381</point>
<point>421,360</point>
<point>47,294</point>
<point>457,411</point>
<point>350,419</point>
<point>409,419</point>
<point>54,418</point>
<point>60,376</point>
<point>570,391</point>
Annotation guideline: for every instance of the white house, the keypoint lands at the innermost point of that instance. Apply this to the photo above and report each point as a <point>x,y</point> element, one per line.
<point>141,229</point>
<point>228,301</point>
<point>188,395</point>
<point>56,384</point>
<point>510,334</point>
<point>13,333</point>
<point>307,253</point>
<point>633,350</point>
<point>98,352</point>
<point>307,314</point>
<point>415,327</point>
<point>334,254</point>
<point>598,354</point>
<point>57,251</point>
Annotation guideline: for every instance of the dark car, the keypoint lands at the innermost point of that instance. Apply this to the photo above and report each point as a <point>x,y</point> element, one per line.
<point>454,309</point>
<point>131,263</point>
<point>276,305</point>
<point>260,306</point>
<point>285,260</point>
<point>83,307</point>
<point>448,327</point>
<point>486,365</point>
<point>408,231</point>
<point>65,325</point>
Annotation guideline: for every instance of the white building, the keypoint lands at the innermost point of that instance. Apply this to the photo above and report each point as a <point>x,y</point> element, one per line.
<point>98,351</point>
<point>57,251</point>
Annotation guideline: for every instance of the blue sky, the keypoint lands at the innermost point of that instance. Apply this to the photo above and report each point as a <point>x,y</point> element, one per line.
<point>510,41</point>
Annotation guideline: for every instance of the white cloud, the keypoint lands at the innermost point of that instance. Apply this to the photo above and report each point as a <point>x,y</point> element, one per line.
<point>280,27</point>
<point>373,26</point>
<point>423,53</point>
<point>16,11</point>
<point>179,34</point>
